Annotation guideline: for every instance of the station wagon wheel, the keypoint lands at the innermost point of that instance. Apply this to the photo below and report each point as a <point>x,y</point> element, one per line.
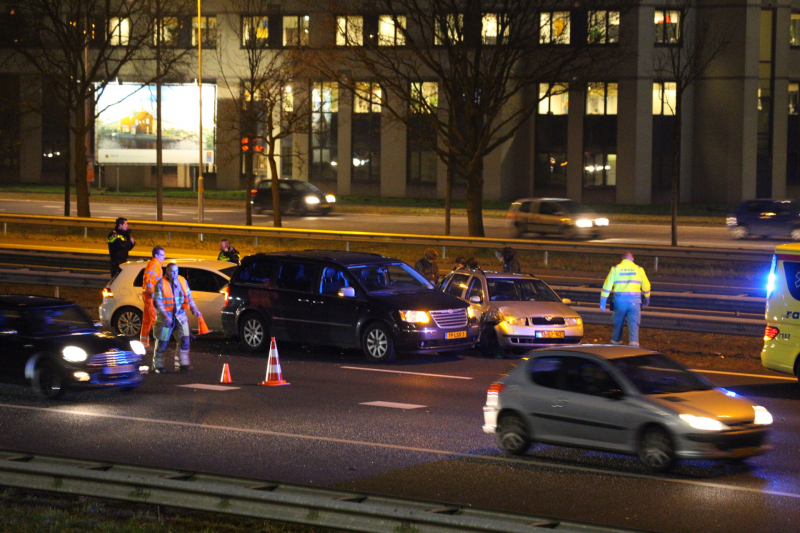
<point>656,450</point>
<point>253,332</point>
<point>795,234</point>
<point>740,232</point>
<point>512,434</point>
<point>127,321</point>
<point>377,344</point>
<point>48,381</point>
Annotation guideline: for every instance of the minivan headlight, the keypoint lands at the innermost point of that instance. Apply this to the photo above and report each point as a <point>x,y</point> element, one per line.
<point>312,200</point>
<point>704,423</point>
<point>763,418</point>
<point>73,354</point>
<point>330,198</point>
<point>415,317</point>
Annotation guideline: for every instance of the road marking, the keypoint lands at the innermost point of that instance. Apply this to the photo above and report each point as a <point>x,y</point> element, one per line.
<point>394,405</point>
<point>444,453</point>
<point>399,372</point>
<point>208,387</point>
<point>739,374</point>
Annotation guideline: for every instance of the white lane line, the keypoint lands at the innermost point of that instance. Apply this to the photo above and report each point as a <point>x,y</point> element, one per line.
<point>446,453</point>
<point>399,372</point>
<point>394,405</point>
<point>208,387</point>
<point>738,374</point>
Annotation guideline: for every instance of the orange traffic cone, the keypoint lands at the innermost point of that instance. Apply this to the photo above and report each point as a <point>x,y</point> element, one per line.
<point>226,374</point>
<point>274,375</point>
<point>202,329</point>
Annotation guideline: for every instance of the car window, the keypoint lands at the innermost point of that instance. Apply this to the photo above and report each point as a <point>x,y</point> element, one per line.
<point>397,277</point>
<point>657,374</point>
<point>283,186</point>
<point>520,290</point>
<point>257,272</point>
<point>475,288</point>
<point>264,185</point>
<point>332,280</point>
<point>56,320</point>
<point>10,319</point>
<point>457,285</point>
<point>587,377</point>
<point>548,208</point>
<point>546,371</point>
<point>297,276</point>
<point>204,280</point>
<point>228,271</point>
<point>139,278</point>
<point>525,207</point>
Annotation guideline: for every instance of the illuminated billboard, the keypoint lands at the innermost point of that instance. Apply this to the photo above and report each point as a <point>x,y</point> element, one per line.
<point>125,128</point>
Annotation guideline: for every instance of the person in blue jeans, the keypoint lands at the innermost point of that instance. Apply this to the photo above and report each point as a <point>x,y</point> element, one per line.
<point>629,283</point>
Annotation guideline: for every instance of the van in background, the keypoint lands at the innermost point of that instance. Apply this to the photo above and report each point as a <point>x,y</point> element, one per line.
<point>782,335</point>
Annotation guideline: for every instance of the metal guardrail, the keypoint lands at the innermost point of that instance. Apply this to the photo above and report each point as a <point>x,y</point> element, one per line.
<point>268,500</point>
<point>254,232</point>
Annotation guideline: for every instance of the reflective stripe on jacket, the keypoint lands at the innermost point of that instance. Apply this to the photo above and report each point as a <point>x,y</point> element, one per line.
<point>626,278</point>
<point>152,275</point>
<point>165,301</point>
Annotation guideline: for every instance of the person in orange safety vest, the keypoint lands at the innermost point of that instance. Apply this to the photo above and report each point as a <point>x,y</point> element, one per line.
<point>152,275</point>
<point>171,298</point>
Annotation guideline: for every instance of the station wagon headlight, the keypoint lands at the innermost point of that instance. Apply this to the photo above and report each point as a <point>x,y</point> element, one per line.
<point>415,317</point>
<point>330,198</point>
<point>763,418</point>
<point>601,222</point>
<point>703,423</point>
<point>312,200</point>
<point>584,223</point>
<point>73,354</point>
<point>137,347</point>
<point>573,321</point>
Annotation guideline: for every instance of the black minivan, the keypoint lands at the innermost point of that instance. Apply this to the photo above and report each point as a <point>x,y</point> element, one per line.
<point>765,217</point>
<point>344,299</point>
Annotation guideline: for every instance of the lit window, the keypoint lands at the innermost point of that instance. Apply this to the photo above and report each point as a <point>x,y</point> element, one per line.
<point>667,26</point>
<point>600,169</point>
<point>119,31</point>
<point>424,96</point>
<point>324,130</point>
<point>449,29</point>
<point>208,30</point>
<point>554,28</point>
<point>603,27</point>
<point>601,99</point>
<point>255,31</point>
<point>391,30</point>
<point>368,98</point>
<point>494,28</point>
<point>295,31</point>
<point>664,98</point>
<point>794,30</point>
<point>169,32</point>
<point>349,31</point>
<point>553,98</point>
<point>794,98</point>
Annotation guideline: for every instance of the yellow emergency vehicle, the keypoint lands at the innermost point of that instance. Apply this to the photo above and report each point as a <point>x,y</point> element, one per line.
<point>782,334</point>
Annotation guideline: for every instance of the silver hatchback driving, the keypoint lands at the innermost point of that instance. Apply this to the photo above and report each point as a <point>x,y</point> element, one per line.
<point>621,399</point>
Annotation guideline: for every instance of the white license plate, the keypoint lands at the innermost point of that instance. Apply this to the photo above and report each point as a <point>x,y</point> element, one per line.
<point>549,334</point>
<point>123,369</point>
<point>456,335</point>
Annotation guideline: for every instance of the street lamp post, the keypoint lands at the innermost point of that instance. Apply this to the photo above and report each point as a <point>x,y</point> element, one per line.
<point>200,187</point>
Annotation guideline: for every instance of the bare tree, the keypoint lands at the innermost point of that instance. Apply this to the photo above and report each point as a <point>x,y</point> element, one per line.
<point>693,43</point>
<point>484,57</point>
<point>260,81</point>
<point>78,47</point>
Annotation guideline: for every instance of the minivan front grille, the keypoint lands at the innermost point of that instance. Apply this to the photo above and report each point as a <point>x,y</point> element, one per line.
<point>114,358</point>
<point>450,318</point>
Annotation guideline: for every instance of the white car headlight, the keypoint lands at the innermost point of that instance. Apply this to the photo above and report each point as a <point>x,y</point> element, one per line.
<point>703,423</point>
<point>137,347</point>
<point>415,317</point>
<point>330,198</point>
<point>312,200</point>
<point>601,222</point>
<point>763,417</point>
<point>515,321</point>
<point>573,321</point>
<point>584,223</point>
<point>73,354</point>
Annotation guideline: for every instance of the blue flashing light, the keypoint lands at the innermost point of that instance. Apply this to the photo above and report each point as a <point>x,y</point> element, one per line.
<point>771,276</point>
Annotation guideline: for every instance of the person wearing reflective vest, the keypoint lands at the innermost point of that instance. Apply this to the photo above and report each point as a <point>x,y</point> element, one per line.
<point>629,284</point>
<point>171,298</point>
<point>152,275</point>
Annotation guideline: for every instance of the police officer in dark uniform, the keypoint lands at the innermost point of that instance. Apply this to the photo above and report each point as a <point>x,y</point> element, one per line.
<point>120,242</point>
<point>227,252</point>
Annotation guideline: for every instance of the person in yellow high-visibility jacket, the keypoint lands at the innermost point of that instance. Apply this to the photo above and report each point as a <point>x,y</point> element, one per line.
<point>629,284</point>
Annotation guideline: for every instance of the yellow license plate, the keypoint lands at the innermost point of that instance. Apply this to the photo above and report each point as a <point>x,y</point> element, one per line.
<point>549,334</point>
<point>457,335</point>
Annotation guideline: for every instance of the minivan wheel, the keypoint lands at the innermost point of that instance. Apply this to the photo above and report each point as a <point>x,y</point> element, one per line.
<point>378,344</point>
<point>740,232</point>
<point>127,321</point>
<point>48,381</point>
<point>512,434</point>
<point>656,450</point>
<point>253,332</point>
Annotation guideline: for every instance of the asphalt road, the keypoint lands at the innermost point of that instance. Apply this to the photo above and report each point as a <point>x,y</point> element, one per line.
<point>424,442</point>
<point>416,224</point>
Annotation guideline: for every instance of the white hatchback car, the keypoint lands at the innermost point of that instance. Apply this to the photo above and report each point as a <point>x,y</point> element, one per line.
<point>122,298</point>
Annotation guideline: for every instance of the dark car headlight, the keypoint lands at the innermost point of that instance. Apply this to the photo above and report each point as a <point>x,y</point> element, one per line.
<point>74,354</point>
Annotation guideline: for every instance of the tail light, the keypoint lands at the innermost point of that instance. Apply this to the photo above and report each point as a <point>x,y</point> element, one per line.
<point>511,216</point>
<point>226,292</point>
<point>107,293</point>
<point>770,333</point>
<point>495,388</point>
<point>253,191</point>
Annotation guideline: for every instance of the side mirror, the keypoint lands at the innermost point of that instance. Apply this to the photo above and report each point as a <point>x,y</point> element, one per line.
<point>475,299</point>
<point>347,292</point>
<point>566,301</point>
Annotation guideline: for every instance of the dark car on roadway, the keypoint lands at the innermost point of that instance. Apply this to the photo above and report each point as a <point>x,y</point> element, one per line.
<point>344,299</point>
<point>52,344</point>
<point>296,196</point>
<point>621,399</point>
<point>560,216</point>
<point>764,218</point>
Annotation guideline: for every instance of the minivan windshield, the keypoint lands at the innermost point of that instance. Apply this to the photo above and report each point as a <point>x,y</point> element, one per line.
<point>388,278</point>
<point>658,374</point>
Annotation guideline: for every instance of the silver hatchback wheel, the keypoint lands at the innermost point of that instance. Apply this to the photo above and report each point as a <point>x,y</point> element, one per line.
<point>512,434</point>
<point>740,232</point>
<point>656,450</point>
<point>128,321</point>
<point>795,234</point>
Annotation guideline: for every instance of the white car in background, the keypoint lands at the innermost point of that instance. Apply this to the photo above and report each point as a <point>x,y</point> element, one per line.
<point>122,298</point>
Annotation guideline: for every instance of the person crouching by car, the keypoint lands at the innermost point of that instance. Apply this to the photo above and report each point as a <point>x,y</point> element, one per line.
<point>152,275</point>
<point>427,266</point>
<point>228,252</point>
<point>171,299</point>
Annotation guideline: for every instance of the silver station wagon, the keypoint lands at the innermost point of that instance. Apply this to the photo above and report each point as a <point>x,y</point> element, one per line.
<point>621,399</point>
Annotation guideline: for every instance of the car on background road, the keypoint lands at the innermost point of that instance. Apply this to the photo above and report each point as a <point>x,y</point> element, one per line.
<point>621,399</point>
<point>559,216</point>
<point>296,196</point>
<point>52,344</point>
<point>344,299</point>
<point>122,298</point>
<point>765,218</point>
<point>518,312</point>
